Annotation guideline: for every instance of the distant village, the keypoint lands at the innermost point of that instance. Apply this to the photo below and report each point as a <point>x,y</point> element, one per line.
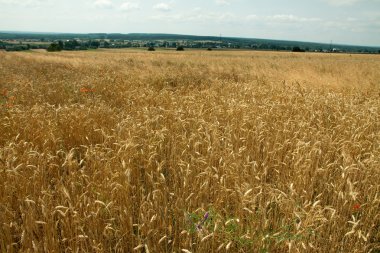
<point>90,44</point>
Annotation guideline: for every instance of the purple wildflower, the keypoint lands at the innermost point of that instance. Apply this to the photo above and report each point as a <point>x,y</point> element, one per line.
<point>205,217</point>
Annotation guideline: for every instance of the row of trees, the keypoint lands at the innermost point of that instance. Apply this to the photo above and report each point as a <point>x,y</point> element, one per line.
<point>2,45</point>
<point>180,48</point>
<point>14,47</point>
<point>94,44</point>
<point>73,45</point>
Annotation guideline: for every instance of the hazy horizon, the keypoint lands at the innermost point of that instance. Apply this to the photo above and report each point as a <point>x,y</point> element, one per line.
<point>346,22</point>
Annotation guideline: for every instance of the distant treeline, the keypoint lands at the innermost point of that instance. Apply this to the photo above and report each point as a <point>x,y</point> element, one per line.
<point>116,40</point>
<point>20,46</point>
<point>73,45</point>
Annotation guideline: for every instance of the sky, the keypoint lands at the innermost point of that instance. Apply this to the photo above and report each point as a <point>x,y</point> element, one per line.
<point>353,22</point>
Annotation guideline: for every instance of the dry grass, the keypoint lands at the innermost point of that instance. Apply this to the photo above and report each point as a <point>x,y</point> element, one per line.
<point>125,151</point>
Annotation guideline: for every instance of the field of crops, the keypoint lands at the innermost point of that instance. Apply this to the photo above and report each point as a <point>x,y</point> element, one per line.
<point>195,151</point>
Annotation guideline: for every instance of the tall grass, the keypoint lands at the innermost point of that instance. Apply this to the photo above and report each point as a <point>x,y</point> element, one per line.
<point>126,151</point>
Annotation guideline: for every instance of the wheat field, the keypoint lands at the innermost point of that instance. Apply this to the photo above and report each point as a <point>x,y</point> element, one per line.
<point>195,151</point>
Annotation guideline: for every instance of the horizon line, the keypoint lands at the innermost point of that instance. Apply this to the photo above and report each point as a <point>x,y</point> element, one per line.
<point>177,34</point>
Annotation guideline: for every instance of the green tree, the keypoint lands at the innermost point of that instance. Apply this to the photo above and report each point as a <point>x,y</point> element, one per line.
<point>2,45</point>
<point>71,45</point>
<point>94,44</point>
<point>297,49</point>
<point>60,44</point>
<point>54,47</point>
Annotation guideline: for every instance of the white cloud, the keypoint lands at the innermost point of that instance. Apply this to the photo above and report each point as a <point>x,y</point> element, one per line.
<point>351,19</point>
<point>169,17</point>
<point>162,7</point>
<point>215,16</point>
<point>252,17</point>
<point>342,2</point>
<point>26,3</point>
<point>103,4</point>
<point>352,25</point>
<point>290,18</point>
<point>198,17</point>
<point>222,2</point>
<point>127,6</point>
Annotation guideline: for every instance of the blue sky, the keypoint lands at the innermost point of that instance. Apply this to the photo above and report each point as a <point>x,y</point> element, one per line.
<point>342,21</point>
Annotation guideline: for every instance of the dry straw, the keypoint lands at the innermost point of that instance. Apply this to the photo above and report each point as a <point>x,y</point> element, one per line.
<point>281,150</point>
